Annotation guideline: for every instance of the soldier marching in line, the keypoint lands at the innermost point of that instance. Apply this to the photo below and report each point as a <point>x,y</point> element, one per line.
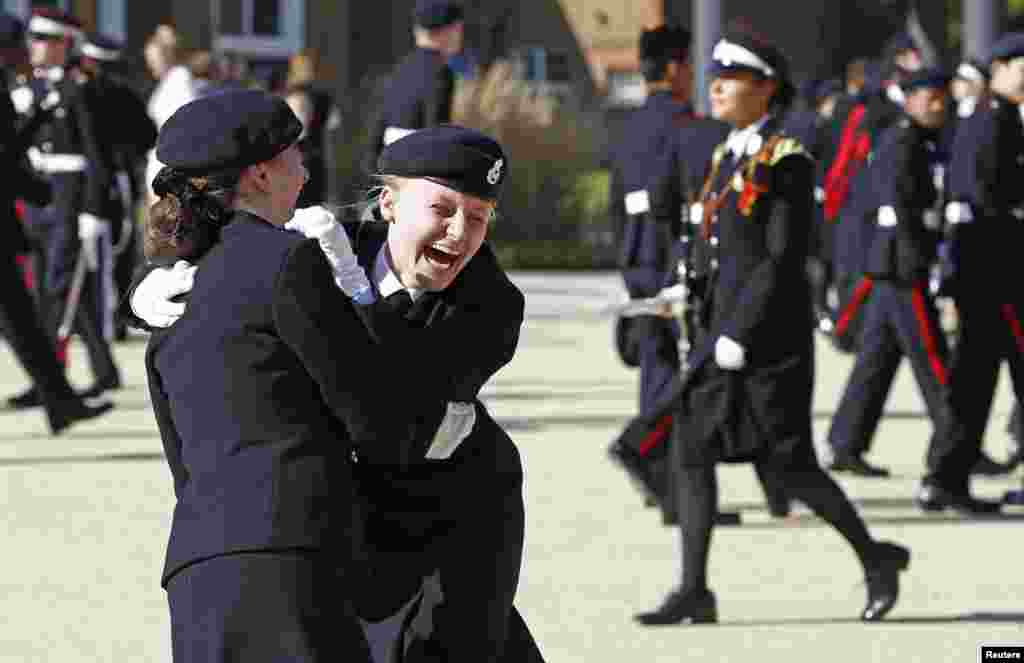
<point>746,392</point>
<point>71,229</point>
<point>31,344</point>
<point>985,211</point>
<point>124,138</point>
<point>421,90</point>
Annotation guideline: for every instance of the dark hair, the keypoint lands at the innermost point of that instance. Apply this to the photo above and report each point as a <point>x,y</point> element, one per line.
<point>186,222</point>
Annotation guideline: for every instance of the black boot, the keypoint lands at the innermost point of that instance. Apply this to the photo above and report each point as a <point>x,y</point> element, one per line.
<point>65,413</point>
<point>27,399</point>
<point>883,579</point>
<point>103,384</point>
<point>683,608</point>
<point>854,464</point>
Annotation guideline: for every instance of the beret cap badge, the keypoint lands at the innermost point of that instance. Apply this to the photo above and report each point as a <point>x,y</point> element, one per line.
<point>494,174</point>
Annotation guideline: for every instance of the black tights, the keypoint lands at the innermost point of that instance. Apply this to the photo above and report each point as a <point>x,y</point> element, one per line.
<point>698,504</point>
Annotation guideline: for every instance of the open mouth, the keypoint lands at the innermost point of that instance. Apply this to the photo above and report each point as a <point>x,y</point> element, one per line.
<point>441,258</point>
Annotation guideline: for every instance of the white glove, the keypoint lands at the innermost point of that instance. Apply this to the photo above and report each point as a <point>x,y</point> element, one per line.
<point>151,300</point>
<point>90,229</point>
<point>319,223</point>
<point>729,355</point>
<point>457,424</point>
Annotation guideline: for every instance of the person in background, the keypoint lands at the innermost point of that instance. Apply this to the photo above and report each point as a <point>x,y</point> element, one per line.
<point>320,117</point>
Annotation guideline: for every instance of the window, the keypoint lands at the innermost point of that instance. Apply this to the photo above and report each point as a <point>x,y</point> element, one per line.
<point>267,28</point>
<point>110,18</point>
<point>539,65</point>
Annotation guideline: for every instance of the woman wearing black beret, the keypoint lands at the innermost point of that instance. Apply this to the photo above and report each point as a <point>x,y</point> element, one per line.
<point>439,192</point>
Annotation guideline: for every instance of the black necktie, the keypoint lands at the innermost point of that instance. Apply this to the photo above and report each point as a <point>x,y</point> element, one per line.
<point>398,302</point>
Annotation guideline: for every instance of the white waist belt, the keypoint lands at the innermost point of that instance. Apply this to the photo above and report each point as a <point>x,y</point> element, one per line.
<point>57,163</point>
<point>638,202</point>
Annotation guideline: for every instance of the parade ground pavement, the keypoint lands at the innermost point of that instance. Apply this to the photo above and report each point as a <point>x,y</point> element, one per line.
<point>86,519</point>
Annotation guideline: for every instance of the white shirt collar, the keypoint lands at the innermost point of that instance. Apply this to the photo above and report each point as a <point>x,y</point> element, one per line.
<point>385,279</point>
<point>740,141</point>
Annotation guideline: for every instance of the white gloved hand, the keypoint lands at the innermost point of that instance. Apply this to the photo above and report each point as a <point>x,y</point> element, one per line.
<point>457,424</point>
<point>90,229</point>
<point>729,355</point>
<point>319,223</point>
<point>151,300</point>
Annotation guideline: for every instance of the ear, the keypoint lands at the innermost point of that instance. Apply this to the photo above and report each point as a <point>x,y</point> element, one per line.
<point>388,199</point>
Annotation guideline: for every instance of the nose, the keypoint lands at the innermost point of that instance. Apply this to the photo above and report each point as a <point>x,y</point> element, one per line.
<point>456,227</point>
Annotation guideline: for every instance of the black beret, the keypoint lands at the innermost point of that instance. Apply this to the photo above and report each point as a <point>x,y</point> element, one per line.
<point>1007,47</point>
<point>665,43</point>
<point>230,129</point>
<point>462,159</point>
<point>12,30</point>
<point>102,47</point>
<point>432,14</point>
<point>927,77</point>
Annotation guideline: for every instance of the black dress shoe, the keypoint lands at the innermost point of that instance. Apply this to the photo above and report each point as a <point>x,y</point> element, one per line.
<point>100,386</point>
<point>854,464</point>
<point>68,412</point>
<point>931,497</point>
<point>987,467</point>
<point>883,579</point>
<point>683,608</point>
<point>27,399</point>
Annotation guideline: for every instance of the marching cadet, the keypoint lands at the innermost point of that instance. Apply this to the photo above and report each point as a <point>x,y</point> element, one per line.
<point>422,86</point>
<point>985,212</point>
<point>746,394</point>
<point>66,150</point>
<point>124,138</point>
<point>647,251</point>
<point>26,337</point>
<point>900,318</point>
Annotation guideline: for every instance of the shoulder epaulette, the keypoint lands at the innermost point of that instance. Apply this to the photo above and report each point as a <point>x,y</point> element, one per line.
<point>783,146</point>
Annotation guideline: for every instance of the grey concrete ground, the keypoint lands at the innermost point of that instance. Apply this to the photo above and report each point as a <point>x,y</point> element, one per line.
<point>85,522</point>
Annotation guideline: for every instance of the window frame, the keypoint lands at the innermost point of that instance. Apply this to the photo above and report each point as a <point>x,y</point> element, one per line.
<point>291,39</point>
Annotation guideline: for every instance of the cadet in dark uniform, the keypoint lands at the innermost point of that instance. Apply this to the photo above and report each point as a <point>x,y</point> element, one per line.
<point>420,91</point>
<point>900,318</point>
<point>262,391</point>
<point>18,317</point>
<point>66,150</point>
<point>985,212</point>
<point>748,386</point>
<point>418,523</point>
<point>125,133</point>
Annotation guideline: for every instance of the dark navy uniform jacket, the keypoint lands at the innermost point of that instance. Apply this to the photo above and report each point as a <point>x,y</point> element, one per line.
<point>907,229</point>
<point>985,175</point>
<point>19,180</point>
<point>647,245</point>
<point>70,130</point>
<point>761,298</point>
<point>418,95</point>
<point>679,177</point>
<point>262,390</point>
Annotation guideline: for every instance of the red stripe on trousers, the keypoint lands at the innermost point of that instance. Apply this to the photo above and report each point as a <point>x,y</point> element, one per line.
<point>931,348</point>
<point>859,295</point>
<point>1010,315</point>
<point>656,436</point>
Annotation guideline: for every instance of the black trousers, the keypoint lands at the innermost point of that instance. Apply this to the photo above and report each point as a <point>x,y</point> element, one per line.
<point>464,521</point>
<point>267,607</point>
<point>27,338</point>
<point>990,332</point>
<point>898,322</point>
